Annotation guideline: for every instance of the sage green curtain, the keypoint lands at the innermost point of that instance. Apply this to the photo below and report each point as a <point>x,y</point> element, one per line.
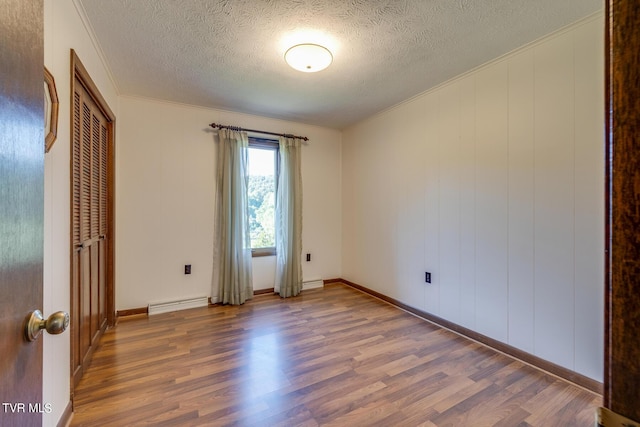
<point>232,276</point>
<point>289,219</point>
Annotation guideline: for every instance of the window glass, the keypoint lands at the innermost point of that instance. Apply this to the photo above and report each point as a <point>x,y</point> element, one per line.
<point>262,196</point>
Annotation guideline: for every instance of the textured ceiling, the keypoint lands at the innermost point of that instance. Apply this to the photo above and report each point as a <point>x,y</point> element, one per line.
<point>229,53</point>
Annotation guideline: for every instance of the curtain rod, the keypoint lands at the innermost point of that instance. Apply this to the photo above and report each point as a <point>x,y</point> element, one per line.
<point>236,128</point>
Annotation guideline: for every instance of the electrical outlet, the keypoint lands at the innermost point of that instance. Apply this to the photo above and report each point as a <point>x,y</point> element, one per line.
<point>427,277</point>
<point>187,269</point>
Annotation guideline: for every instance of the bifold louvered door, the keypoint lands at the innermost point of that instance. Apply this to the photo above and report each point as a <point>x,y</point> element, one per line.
<point>89,227</point>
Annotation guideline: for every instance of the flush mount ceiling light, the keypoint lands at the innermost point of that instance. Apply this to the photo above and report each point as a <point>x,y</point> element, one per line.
<point>308,57</point>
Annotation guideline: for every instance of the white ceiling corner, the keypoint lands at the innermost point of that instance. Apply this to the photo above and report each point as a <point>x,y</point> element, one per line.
<point>229,53</point>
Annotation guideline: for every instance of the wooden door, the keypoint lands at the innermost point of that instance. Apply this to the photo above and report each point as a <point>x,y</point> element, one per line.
<point>21,208</point>
<point>91,212</point>
<point>622,320</point>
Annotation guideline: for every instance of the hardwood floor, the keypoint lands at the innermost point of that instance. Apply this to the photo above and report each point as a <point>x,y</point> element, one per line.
<point>330,357</point>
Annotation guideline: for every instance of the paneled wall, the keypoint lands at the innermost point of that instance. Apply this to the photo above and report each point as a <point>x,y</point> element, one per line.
<point>494,183</point>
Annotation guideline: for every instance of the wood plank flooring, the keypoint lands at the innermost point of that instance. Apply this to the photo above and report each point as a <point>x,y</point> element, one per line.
<point>330,357</point>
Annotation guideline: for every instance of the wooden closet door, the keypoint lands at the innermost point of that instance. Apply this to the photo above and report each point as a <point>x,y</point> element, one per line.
<point>89,227</point>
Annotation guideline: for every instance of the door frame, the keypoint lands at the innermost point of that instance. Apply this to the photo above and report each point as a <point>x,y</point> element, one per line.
<point>79,73</point>
<point>622,239</point>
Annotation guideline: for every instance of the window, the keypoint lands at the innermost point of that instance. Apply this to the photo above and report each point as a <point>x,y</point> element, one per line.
<point>263,167</point>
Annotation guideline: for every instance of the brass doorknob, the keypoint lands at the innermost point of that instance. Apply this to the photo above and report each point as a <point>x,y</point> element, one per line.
<point>55,324</point>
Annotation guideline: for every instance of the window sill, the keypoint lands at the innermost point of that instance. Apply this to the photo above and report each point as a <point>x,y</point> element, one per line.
<point>260,252</point>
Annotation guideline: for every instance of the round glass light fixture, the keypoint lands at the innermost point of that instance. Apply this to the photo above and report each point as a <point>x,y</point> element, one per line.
<point>308,57</point>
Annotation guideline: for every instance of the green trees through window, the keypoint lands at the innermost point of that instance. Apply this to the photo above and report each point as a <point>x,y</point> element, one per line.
<point>262,193</point>
<point>261,211</point>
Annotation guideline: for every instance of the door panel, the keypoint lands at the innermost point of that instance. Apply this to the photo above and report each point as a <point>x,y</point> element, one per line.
<point>21,208</point>
<point>85,307</point>
<point>90,231</point>
<point>94,291</point>
<point>102,280</point>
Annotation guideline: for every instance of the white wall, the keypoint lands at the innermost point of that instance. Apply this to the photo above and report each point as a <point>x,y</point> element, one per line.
<point>165,200</point>
<point>63,30</point>
<point>494,183</point>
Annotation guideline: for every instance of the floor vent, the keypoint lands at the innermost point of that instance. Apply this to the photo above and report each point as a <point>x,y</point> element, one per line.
<point>312,284</point>
<point>166,307</point>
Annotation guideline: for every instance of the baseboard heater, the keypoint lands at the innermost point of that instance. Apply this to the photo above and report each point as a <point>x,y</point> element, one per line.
<point>312,284</point>
<point>166,307</point>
